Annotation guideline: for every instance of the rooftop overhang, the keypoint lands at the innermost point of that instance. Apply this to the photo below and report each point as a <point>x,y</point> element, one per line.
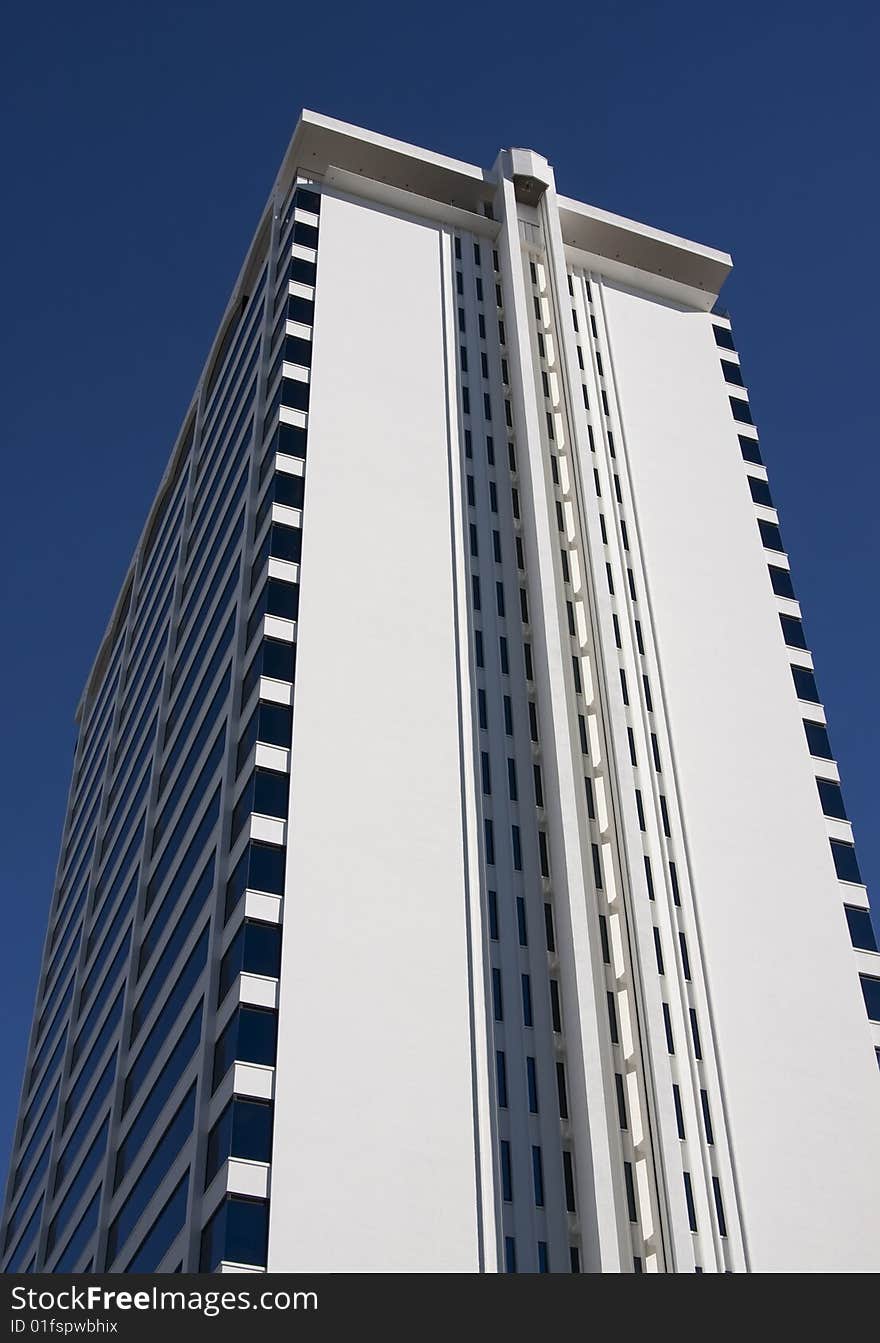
<point>681,269</point>
<point>320,143</point>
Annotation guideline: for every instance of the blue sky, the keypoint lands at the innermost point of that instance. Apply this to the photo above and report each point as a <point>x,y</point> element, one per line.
<point>140,145</point>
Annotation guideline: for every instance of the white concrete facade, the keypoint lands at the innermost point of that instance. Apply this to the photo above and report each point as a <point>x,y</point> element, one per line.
<point>785,1049</point>
<point>374,1102</point>
<point>455,875</point>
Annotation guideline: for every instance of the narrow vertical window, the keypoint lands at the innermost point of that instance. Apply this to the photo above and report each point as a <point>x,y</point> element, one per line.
<point>689,1200</point>
<point>620,1088</point>
<point>561,1090</point>
<point>667,1023</point>
<point>538,1177</point>
<point>501,1077</point>
<point>679,1112</point>
<point>493,915</point>
<point>490,841</point>
<point>527,1000</point>
<point>612,1018</point>
<point>631,1208</point>
<point>568,1181</point>
<point>521,921</point>
<point>719,1205</point>
<point>532,1084</point>
<point>506,1172</point>
<point>497,995</point>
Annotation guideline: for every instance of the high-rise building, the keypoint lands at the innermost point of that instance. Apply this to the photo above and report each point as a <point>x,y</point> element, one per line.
<point>455,874</point>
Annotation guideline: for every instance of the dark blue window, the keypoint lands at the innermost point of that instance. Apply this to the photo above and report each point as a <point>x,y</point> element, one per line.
<point>42,1065</point>
<point>750,450</point>
<point>183,987</point>
<point>108,898</point>
<point>845,862</point>
<point>285,543</point>
<point>145,638</point>
<point>46,1118</point>
<point>288,439</point>
<point>162,1233</point>
<point>509,1254</point>
<point>89,986</point>
<point>125,829</point>
<point>532,1084</point>
<point>805,685</point>
<point>297,351</point>
<point>632,1210</point>
<point>201,737</point>
<point>275,659</point>
<point>740,410</point>
<point>135,776</point>
<point>22,1251</point>
<point>527,1000</point>
<point>260,868</point>
<point>87,1071</point>
<point>166,1152</point>
<point>142,701</point>
<point>493,915</point>
<point>719,1206</point>
<point>264,793</point>
<point>781,581</point>
<point>276,599</point>
<point>159,1092</point>
<point>17,1219</point>
<point>210,578</point>
<point>871,994</point>
<point>723,337</point>
<point>501,1076</point>
<point>250,1036</point>
<point>271,723</point>
<point>831,798</point>
<point>112,933</point>
<point>238,388</point>
<point>92,1161</point>
<point>71,949</point>
<point>497,995</point>
<point>286,489</point>
<point>861,929</point>
<point>182,782</point>
<point>818,740</point>
<point>793,631</point>
<point>244,1129</point>
<point>238,1233</point>
<point>197,843</point>
<point>555,1006</point>
<point>212,534</point>
<point>255,949</point>
<point>771,537</point>
<point>120,960</point>
<point>302,309</point>
<point>732,373</point>
<point>689,1200</point>
<point>292,392</point>
<point>173,947</point>
<point>213,666</point>
<point>538,1176</point>
<point>506,1172</point>
<point>75,1248</point>
<point>760,492</point>
<point>568,1181</point>
<point>97,1099</point>
<point>200,893</point>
